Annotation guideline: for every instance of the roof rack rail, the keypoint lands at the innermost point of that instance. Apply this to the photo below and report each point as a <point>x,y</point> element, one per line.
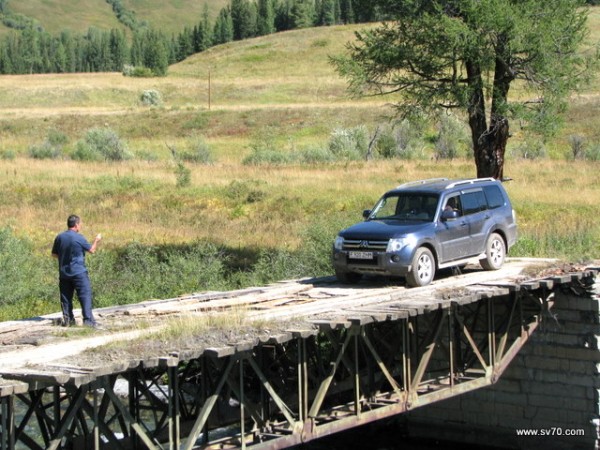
<point>420,182</point>
<point>470,181</point>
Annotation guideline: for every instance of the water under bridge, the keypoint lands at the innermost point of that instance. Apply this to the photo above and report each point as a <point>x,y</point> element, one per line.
<point>271,367</point>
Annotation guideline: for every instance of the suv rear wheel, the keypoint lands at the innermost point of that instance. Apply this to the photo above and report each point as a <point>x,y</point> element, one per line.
<point>423,268</point>
<point>495,252</point>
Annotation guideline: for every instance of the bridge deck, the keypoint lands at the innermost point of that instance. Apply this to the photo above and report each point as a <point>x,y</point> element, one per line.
<point>297,360</point>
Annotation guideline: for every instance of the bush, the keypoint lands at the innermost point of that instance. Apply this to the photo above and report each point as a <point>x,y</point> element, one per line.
<point>137,71</point>
<point>45,151</point>
<point>151,97</point>
<point>183,174</point>
<point>592,152</point>
<point>197,152</point>
<point>349,143</point>
<point>101,144</point>
<point>265,151</point>
<point>138,272</point>
<point>577,143</point>
<point>451,135</point>
<point>313,155</point>
<point>7,154</point>
<point>529,150</point>
<point>24,275</point>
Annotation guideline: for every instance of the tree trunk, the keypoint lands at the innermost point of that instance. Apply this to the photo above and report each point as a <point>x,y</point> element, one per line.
<point>489,150</point>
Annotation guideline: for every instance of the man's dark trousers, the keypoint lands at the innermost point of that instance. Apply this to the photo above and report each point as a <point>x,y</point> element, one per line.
<point>68,286</point>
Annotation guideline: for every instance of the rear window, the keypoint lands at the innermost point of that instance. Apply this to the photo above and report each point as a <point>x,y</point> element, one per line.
<point>494,196</point>
<point>473,202</point>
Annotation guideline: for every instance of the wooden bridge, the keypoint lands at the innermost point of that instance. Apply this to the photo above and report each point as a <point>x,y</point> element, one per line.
<point>269,367</point>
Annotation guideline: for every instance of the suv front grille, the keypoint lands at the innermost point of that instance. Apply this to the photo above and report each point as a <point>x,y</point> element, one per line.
<point>365,245</point>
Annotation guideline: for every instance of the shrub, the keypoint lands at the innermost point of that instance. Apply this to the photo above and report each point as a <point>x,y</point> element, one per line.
<point>45,151</point>
<point>529,150</point>
<point>451,135</point>
<point>577,143</point>
<point>349,143</point>
<point>101,144</point>
<point>265,151</point>
<point>247,191</point>
<point>313,155</point>
<point>7,154</point>
<point>23,275</point>
<point>183,174</point>
<point>198,152</point>
<point>137,71</point>
<point>592,152</point>
<point>151,97</point>
<point>57,138</point>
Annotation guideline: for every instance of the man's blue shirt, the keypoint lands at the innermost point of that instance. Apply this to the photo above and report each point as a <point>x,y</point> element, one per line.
<point>70,247</point>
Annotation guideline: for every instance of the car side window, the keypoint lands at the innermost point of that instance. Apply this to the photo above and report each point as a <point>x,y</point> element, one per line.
<point>473,202</point>
<point>494,196</point>
<point>453,204</point>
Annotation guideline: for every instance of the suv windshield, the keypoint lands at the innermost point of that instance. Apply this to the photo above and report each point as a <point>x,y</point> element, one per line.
<point>406,206</point>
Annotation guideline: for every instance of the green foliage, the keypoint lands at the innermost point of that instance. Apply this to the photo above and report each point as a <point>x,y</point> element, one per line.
<point>349,143</point>
<point>265,151</point>
<point>151,97</point>
<point>313,155</point>
<point>137,272</point>
<point>592,152</point>
<point>443,54</point>
<point>44,151</point>
<point>402,142</point>
<point>183,174</point>
<point>7,154</point>
<point>137,71</point>
<point>529,149</point>
<point>197,151</point>
<point>23,275</point>
<point>246,191</point>
<point>51,148</point>
<point>101,144</point>
<point>451,137</point>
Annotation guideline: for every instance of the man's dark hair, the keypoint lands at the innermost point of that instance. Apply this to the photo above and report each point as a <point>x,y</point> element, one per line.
<point>72,221</point>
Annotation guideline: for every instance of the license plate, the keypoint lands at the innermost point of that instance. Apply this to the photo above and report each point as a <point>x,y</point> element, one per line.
<point>360,255</point>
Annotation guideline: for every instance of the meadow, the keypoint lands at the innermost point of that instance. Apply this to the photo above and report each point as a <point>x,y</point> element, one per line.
<point>235,224</point>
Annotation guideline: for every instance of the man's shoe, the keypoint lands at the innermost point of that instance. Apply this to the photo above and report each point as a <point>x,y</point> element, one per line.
<point>94,325</point>
<point>69,323</point>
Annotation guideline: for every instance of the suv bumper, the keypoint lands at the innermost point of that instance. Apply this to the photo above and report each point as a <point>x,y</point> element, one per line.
<point>382,263</point>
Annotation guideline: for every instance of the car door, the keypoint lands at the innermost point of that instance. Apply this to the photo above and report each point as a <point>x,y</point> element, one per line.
<point>476,216</point>
<point>453,234</point>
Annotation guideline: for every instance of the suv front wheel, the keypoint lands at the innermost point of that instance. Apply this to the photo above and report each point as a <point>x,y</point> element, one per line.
<point>423,268</point>
<point>495,252</point>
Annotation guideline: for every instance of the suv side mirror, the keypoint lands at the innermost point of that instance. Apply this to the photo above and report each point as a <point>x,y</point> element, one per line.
<point>449,215</point>
<point>366,213</point>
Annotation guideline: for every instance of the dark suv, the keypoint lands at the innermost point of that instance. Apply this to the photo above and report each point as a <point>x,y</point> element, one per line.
<point>426,225</point>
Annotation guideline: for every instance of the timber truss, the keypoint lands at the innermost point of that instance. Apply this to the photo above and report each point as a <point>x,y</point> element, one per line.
<point>291,389</point>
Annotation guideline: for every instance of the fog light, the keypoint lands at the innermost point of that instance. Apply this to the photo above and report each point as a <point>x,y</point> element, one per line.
<point>395,258</point>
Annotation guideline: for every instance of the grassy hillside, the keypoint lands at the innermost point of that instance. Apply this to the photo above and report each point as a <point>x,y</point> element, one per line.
<point>78,15</point>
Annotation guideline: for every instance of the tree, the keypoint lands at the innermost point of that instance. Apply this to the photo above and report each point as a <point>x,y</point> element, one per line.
<point>467,54</point>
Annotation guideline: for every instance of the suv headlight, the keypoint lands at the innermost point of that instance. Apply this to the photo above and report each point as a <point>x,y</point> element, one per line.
<point>396,244</point>
<point>338,244</point>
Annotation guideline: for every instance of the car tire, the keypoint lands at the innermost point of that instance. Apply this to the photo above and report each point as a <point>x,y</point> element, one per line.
<point>495,253</point>
<point>348,277</point>
<point>422,268</point>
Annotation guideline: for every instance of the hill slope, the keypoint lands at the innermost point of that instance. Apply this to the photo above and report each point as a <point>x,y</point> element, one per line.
<point>79,15</point>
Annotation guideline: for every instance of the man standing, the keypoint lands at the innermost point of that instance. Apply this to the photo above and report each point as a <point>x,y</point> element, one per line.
<point>69,248</point>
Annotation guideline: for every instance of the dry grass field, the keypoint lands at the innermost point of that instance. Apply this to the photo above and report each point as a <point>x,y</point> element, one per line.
<point>282,85</point>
